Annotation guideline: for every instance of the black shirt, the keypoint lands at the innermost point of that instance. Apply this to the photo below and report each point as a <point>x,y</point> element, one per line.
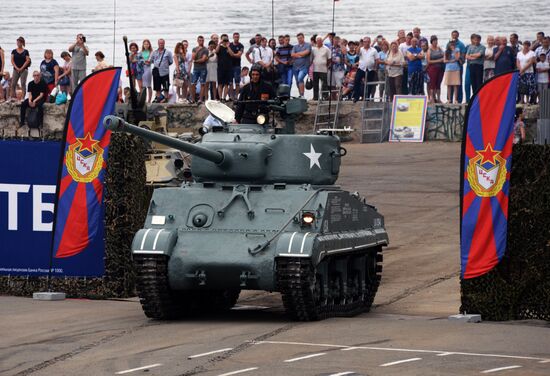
<point>224,59</point>
<point>19,58</point>
<point>36,88</point>
<point>236,48</point>
<point>246,113</point>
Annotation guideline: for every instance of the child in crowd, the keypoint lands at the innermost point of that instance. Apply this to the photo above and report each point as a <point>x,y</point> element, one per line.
<point>245,79</point>
<point>127,95</point>
<point>65,73</point>
<point>349,79</point>
<point>542,73</point>
<point>5,82</point>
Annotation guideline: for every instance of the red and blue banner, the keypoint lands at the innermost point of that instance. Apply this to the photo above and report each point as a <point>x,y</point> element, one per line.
<point>79,209</point>
<point>485,175</point>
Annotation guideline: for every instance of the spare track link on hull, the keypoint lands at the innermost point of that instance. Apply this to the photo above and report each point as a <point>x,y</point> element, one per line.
<point>307,298</point>
<point>160,302</point>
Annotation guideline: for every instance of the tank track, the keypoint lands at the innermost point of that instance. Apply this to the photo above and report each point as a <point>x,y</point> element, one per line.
<point>299,282</point>
<point>160,302</point>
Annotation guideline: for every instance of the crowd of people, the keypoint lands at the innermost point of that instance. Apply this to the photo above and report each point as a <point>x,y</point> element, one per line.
<point>409,63</point>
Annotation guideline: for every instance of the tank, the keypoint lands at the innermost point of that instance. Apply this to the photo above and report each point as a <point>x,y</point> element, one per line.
<point>262,213</point>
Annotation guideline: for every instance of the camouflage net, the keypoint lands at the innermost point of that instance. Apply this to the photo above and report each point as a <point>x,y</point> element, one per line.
<point>519,287</point>
<point>125,209</point>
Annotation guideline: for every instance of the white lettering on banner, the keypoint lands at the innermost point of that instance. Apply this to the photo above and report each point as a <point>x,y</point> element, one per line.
<point>13,190</point>
<point>38,207</point>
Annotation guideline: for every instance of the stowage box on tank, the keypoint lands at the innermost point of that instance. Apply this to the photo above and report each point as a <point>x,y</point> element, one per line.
<point>262,213</point>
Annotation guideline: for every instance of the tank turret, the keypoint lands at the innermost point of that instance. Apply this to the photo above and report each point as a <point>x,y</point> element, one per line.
<point>247,153</point>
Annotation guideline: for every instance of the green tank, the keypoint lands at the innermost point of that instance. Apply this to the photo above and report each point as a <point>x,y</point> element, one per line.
<point>262,213</point>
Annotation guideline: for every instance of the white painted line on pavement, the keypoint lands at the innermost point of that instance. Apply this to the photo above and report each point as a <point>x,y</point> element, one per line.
<point>445,354</point>
<point>138,369</point>
<point>399,362</point>
<point>545,361</point>
<point>500,369</point>
<point>304,357</point>
<point>209,353</point>
<point>344,347</point>
<point>239,371</point>
<point>342,373</point>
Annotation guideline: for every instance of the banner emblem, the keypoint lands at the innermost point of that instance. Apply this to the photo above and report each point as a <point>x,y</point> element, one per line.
<point>84,159</point>
<point>487,172</point>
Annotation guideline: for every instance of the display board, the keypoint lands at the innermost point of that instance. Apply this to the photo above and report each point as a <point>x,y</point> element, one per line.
<point>408,118</point>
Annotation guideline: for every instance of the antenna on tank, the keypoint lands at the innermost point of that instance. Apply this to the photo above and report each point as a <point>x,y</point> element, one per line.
<point>330,75</point>
<point>114,30</point>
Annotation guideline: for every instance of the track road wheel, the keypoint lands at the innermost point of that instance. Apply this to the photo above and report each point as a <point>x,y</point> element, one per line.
<point>157,299</point>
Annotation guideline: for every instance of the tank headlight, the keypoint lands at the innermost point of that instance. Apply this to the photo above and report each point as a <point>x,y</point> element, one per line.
<point>308,219</point>
<point>261,119</point>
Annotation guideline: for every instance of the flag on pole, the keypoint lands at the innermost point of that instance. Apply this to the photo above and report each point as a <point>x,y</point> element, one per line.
<point>79,194</point>
<point>485,174</point>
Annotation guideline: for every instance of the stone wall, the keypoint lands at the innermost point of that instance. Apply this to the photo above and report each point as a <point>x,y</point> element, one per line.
<point>444,122</point>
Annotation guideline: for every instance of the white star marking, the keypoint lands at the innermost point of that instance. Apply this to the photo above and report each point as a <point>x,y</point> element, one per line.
<point>313,157</point>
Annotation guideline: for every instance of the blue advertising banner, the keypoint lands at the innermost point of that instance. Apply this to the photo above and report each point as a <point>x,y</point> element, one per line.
<point>28,173</point>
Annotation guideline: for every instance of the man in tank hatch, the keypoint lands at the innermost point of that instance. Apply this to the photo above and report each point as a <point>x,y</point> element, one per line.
<point>248,106</point>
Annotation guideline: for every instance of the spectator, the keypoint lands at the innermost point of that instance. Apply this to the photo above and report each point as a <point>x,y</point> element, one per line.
<point>101,63</point>
<point>180,72</point>
<point>505,59</point>
<point>200,57</point>
<point>424,47</point>
<point>352,59</point>
<point>225,68</point>
<point>236,50</point>
<point>382,54</point>
<point>539,41</point>
<point>519,126</point>
<point>253,46</point>
<point>188,61</point>
<point>414,67</point>
<point>146,78</point>
<point>462,48</point>
<point>349,80</point>
<point>2,62</point>
<point>544,47</point>
<point>394,70</point>
<point>263,56</point>
<point>245,78</point>
<point>526,62</point>
<point>338,67</point>
<point>64,78</point>
<point>49,70</point>
<point>20,60</point>
<point>212,71</point>
<point>161,59</point>
<point>79,51</point>
<point>475,55</point>
<point>403,47</point>
<point>542,73</point>
<point>300,56</point>
<point>515,43</point>
<point>321,61</point>
<point>136,63</point>
<point>435,70</point>
<point>368,61</point>
<point>328,40</point>
<point>37,96</point>
<point>416,34</point>
<point>488,61</point>
<point>452,72</point>
<point>284,61</point>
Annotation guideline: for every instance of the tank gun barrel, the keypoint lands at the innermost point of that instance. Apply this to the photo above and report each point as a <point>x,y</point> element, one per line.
<point>116,124</point>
